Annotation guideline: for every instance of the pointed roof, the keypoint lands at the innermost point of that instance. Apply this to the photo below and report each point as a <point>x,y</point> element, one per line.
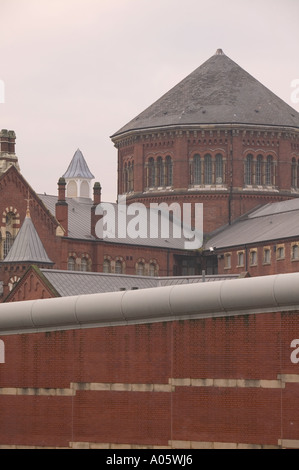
<point>217,92</point>
<point>78,167</point>
<point>27,246</point>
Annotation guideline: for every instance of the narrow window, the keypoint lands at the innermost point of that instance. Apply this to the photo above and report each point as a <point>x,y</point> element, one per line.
<point>196,169</point>
<point>258,171</point>
<point>269,170</point>
<point>219,169</point>
<point>208,169</point>
<point>248,169</point>
<point>169,171</point>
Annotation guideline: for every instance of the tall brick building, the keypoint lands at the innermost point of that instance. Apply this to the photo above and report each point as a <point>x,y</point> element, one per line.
<point>219,137</point>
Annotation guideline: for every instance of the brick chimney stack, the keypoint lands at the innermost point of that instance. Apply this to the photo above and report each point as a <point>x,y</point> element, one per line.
<point>97,191</point>
<point>7,150</point>
<point>61,207</point>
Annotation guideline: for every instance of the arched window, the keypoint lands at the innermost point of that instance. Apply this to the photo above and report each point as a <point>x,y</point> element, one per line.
<point>84,189</point>
<point>152,269</point>
<point>131,176</point>
<point>258,170</point>
<point>219,169</point>
<point>8,242</point>
<point>71,263</point>
<point>151,173</point>
<point>84,264</point>
<point>248,169</point>
<point>106,266</point>
<point>168,171</point>
<point>196,169</point>
<point>269,170</point>
<point>72,189</point>
<point>208,169</point>
<point>125,179</point>
<point>140,268</point>
<point>118,267</point>
<point>160,172</point>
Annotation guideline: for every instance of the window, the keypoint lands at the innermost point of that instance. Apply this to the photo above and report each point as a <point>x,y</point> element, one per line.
<point>152,269</point>
<point>253,257</point>
<point>266,255</point>
<point>269,171</point>
<point>280,253</point>
<point>118,267</point>
<point>240,258</point>
<point>140,268</point>
<point>258,170</point>
<point>208,169</point>
<point>130,176</point>
<point>227,261</point>
<point>168,171</point>
<point>196,169</point>
<point>160,172</point>
<point>106,266</point>
<point>219,169</point>
<point>84,264</point>
<point>248,169</point>
<point>8,242</point>
<point>71,263</point>
<point>151,173</point>
<point>295,251</point>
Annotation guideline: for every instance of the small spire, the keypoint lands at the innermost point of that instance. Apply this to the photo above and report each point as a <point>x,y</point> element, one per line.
<point>219,52</point>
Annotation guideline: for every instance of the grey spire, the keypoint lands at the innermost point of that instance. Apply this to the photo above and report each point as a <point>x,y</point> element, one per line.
<point>27,246</point>
<point>78,167</point>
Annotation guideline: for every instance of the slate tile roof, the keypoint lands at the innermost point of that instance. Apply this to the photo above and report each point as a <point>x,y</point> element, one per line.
<point>272,221</point>
<point>69,283</point>
<point>27,246</point>
<point>217,92</point>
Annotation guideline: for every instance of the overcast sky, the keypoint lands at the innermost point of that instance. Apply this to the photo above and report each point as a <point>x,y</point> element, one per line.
<point>75,71</point>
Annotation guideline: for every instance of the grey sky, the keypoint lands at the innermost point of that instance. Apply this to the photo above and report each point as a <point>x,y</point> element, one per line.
<point>75,71</point>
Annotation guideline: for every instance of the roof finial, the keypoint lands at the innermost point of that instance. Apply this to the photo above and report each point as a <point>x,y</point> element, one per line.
<point>219,52</point>
<point>28,199</point>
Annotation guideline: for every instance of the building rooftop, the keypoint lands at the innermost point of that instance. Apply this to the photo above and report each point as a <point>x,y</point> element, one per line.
<point>27,246</point>
<point>78,167</point>
<point>68,283</point>
<point>272,221</point>
<point>79,223</point>
<point>217,92</point>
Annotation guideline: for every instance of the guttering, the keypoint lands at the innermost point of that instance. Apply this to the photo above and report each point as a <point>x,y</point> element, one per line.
<point>159,304</point>
<point>201,127</point>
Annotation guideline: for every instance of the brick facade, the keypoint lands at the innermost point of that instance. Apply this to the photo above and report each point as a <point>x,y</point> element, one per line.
<point>206,383</point>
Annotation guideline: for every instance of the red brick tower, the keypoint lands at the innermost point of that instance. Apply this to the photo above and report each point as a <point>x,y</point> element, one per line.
<point>218,137</point>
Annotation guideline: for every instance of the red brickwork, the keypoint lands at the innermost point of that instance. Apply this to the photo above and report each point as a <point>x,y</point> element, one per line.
<point>191,383</point>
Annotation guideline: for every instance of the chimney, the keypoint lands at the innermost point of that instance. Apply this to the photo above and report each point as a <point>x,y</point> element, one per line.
<point>97,191</point>
<point>61,207</point>
<point>7,141</point>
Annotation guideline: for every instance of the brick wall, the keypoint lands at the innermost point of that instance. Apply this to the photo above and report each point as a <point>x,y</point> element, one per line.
<point>205,383</point>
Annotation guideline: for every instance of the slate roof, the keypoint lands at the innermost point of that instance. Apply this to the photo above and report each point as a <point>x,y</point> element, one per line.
<point>272,221</point>
<point>79,222</point>
<point>78,167</point>
<point>27,246</point>
<point>217,92</point>
<point>69,283</point>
